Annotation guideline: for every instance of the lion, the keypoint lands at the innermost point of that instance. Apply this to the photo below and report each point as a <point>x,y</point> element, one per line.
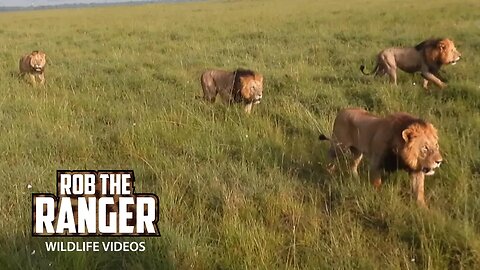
<point>397,141</point>
<point>33,64</point>
<point>240,86</point>
<point>426,57</point>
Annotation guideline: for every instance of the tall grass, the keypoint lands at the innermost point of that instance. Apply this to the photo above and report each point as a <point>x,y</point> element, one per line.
<point>240,192</point>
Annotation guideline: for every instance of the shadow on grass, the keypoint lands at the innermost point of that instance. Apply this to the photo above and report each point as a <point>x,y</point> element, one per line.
<point>457,93</point>
<point>342,80</point>
<point>432,236</point>
<point>305,158</point>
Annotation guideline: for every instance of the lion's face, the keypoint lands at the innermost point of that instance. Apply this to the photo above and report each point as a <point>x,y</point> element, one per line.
<point>448,54</point>
<point>252,89</point>
<point>37,60</point>
<point>421,151</point>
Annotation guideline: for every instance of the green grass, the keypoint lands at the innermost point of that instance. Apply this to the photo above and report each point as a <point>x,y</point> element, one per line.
<point>240,192</point>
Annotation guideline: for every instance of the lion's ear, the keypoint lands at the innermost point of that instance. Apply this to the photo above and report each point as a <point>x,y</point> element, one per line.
<point>408,134</point>
<point>442,46</point>
<point>433,130</point>
<point>245,88</point>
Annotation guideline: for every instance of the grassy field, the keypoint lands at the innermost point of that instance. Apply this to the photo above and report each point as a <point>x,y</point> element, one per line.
<point>240,192</point>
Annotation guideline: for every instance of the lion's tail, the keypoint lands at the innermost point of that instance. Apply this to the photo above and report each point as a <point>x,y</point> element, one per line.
<point>322,137</point>
<point>362,69</point>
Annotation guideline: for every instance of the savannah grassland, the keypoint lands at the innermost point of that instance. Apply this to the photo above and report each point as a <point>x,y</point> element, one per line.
<point>237,191</point>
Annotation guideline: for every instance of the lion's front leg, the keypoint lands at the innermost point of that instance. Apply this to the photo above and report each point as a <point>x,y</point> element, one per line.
<point>425,84</point>
<point>248,107</point>
<point>417,179</point>
<point>32,79</point>
<point>41,77</point>
<point>376,178</point>
<point>429,76</point>
<point>376,170</point>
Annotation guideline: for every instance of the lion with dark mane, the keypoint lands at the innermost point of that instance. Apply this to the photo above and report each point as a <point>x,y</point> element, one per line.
<point>33,64</point>
<point>426,57</point>
<point>240,86</point>
<point>397,141</point>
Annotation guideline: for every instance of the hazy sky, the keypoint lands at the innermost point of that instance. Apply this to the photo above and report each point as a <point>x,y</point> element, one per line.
<point>26,3</point>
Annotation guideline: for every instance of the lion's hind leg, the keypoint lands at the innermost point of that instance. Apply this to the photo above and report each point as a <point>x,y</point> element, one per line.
<point>209,98</point>
<point>357,158</point>
<point>209,87</point>
<point>392,73</point>
<point>209,93</point>
<point>336,152</point>
<point>387,66</point>
<point>380,71</point>
<point>353,158</point>
<point>332,155</point>
<point>21,75</point>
